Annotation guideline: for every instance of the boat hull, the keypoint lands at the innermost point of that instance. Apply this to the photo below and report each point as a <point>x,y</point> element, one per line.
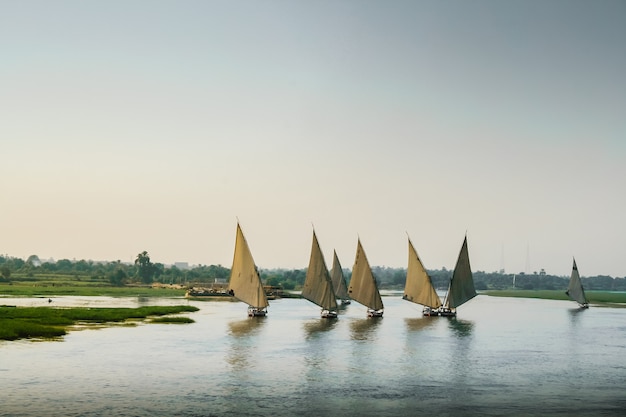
<point>256,312</point>
<point>326,314</point>
<point>441,311</point>
<point>374,313</point>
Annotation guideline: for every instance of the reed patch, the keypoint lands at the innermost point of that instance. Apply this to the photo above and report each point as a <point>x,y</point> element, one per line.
<point>48,322</point>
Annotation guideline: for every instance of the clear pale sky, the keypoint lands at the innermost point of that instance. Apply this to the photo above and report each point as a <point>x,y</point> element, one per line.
<point>153,125</point>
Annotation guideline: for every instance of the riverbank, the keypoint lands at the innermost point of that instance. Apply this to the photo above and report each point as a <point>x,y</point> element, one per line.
<point>48,322</point>
<point>614,299</point>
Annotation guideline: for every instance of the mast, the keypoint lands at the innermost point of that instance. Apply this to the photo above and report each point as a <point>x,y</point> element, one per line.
<point>575,288</point>
<point>245,281</point>
<point>363,288</point>
<point>461,287</point>
<point>419,287</point>
<point>339,281</point>
<point>318,287</point>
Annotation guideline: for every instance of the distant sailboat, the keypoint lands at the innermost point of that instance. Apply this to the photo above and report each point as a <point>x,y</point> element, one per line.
<point>339,281</point>
<point>461,288</point>
<point>575,289</point>
<point>363,288</point>
<point>318,287</point>
<point>245,283</point>
<point>419,288</point>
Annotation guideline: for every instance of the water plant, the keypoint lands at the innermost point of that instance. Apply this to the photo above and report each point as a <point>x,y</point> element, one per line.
<point>47,322</point>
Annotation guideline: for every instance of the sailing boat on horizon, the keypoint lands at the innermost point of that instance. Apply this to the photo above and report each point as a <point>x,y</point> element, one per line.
<point>363,288</point>
<point>575,289</point>
<point>339,281</point>
<point>419,287</point>
<point>245,283</point>
<point>461,288</point>
<point>318,287</point>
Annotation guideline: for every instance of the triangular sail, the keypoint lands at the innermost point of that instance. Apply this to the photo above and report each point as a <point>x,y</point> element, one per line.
<point>245,281</point>
<point>575,288</point>
<point>362,286</point>
<point>461,287</point>
<point>339,281</point>
<point>419,287</point>
<point>318,287</point>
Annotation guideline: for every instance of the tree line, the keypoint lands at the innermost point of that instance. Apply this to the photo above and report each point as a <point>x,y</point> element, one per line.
<point>144,271</point>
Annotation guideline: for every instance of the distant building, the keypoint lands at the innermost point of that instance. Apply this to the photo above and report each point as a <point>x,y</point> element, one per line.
<point>181,265</point>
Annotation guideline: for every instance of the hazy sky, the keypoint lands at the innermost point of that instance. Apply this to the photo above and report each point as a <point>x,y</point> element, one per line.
<point>153,125</point>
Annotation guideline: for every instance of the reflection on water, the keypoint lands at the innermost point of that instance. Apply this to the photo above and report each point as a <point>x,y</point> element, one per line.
<point>246,326</point>
<point>243,343</point>
<point>311,328</point>
<point>574,313</point>
<point>143,300</point>
<point>461,328</point>
<point>365,329</point>
<point>417,324</point>
<point>460,365</point>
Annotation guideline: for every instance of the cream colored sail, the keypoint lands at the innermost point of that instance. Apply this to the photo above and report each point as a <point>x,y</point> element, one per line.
<point>339,281</point>
<point>575,288</point>
<point>419,287</point>
<point>318,287</point>
<point>362,287</point>
<point>461,287</point>
<point>244,276</point>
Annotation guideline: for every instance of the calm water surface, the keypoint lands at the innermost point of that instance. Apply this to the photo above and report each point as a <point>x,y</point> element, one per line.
<point>500,356</point>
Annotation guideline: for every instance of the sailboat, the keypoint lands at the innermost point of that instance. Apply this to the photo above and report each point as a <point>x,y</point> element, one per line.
<point>339,281</point>
<point>318,287</point>
<point>245,283</point>
<point>419,287</point>
<point>461,288</point>
<point>363,288</point>
<point>575,289</point>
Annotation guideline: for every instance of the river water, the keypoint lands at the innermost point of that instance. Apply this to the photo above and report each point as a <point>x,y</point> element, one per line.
<point>499,357</point>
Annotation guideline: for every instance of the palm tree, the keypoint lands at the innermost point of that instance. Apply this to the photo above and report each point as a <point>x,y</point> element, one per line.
<point>146,269</point>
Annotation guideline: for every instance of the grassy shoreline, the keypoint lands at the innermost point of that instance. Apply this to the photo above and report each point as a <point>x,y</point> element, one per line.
<point>48,322</point>
<point>594,297</point>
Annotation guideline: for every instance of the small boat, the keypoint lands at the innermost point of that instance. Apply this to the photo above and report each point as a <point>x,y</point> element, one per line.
<point>245,283</point>
<point>318,287</point>
<point>461,288</point>
<point>419,287</point>
<point>575,289</point>
<point>210,293</point>
<point>339,281</point>
<point>363,288</point>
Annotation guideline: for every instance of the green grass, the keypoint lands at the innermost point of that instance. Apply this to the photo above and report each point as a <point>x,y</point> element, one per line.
<point>46,322</point>
<point>168,319</point>
<point>597,297</point>
<point>22,329</point>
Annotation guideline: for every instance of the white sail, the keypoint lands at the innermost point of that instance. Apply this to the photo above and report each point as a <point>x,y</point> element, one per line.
<point>419,287</point>
<point>461,287</point>
<point>339,281</point>
<point>575,288</point>
<point>318,287</point>
<point>245,282</point>
<point>362,287</point>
